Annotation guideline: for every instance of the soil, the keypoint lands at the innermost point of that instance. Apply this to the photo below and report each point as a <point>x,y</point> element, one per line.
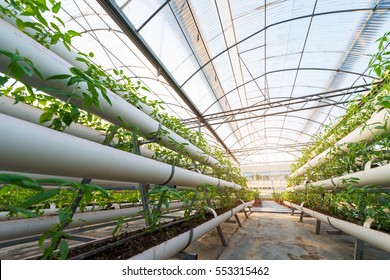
<point>129,244</point>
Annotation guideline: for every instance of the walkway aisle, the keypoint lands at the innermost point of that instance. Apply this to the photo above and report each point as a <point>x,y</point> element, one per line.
<point>274,235</point>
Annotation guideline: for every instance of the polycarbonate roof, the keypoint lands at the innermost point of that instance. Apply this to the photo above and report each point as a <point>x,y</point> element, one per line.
<point>261,77</point>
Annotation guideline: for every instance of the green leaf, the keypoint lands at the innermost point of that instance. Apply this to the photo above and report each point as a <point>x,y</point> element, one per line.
<point>75,113</point>
<point>21,181</point>
<point>64,215</point>
<point>73,33</point>
<point>56,7</point>
<point>27,70</point>
<point>42,196</point>
<point>145,89</point>
<point>106,98</point>
<point>22,210</point>
<point>59,77</point>
<point>67,119</point>
<point>3,80</point>
<point>7,189</point>
<point>56,91</point>
<point>55,27</point>
<point>74,80</point>
<point>45,117</point>
<point>41,19</point>
<point>60,182</point>
<point>380,127</point>
<point>386,104</point>
<point>16,70</point>
<point>60,21</point>
<point>19,24</point>
<point>7,53</point>
<point>64,249</point>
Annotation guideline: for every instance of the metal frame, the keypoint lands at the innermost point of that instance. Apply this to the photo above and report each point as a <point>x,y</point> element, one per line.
<point>117,15</point>
<point>280,103</point>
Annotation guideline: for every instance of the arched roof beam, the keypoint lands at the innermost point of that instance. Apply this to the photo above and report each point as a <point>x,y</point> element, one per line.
<point>280,113</point>
<point>286,138</point>
<point>273,128</point>
<point>290,153</point>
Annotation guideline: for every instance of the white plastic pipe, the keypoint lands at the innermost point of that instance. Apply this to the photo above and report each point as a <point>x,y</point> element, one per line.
<point>50,64</point>
<point>173,246</point>
<point>374,176</point>
<point>50,211</point>
<point>13,229</point>
<point>26,147</point>
<point>361,134</point>
<point>31,114</point>
<point>376,238</point>
<point>102,183</point>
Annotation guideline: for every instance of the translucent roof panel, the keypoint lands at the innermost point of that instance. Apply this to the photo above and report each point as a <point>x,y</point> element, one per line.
<point>264,76</point>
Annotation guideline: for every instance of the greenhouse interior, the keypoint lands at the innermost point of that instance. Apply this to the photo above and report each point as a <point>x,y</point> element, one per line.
<point>195,130</point>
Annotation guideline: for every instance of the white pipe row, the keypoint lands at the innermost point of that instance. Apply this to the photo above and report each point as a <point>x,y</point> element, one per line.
<point>102,183</point>
<point>26,147</point>
<point>49,211</point>
<point>173,246</point>
<point>373,176</point>
<point>49,64</point>
<point>361,134</point>
<point>31,114</point>
<point>376,238</point>
<point>13,229</point>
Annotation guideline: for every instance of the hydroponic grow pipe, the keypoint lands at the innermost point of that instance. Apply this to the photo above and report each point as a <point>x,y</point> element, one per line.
<point>102,183</point>
<point>27,147</point>
<point>376,238</point>
<point>363,133</point>
<point>120,112</point>
<point>49,211</point>
<point>373,176</point>
<point>175,245</point>
<point>13,229</point>
<point>31,114</point>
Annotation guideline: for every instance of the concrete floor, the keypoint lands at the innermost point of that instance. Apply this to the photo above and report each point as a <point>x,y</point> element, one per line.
<point>274,235</point>
<point>269,233</point>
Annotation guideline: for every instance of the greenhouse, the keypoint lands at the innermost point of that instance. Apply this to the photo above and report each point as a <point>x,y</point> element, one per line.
<point>195,130</point>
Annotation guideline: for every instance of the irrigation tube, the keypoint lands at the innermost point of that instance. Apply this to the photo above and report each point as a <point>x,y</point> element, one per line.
<point>102,183</point>
<point>27,147</point>
<point>363,133</point>
<point>374,176</point>
<point>13,229</point>
<point>121,112</point>
<point>173,246</point>
<point>376,238</point>
<point>31,114</point>
<point>50,211</point>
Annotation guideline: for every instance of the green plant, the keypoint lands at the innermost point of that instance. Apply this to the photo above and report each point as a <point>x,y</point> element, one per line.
<point>118,226</point>
<point>157,197</point>
<point>352,203</point>
<point>57,234</point>
<point>47,29</point>
<point>380,62</point>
